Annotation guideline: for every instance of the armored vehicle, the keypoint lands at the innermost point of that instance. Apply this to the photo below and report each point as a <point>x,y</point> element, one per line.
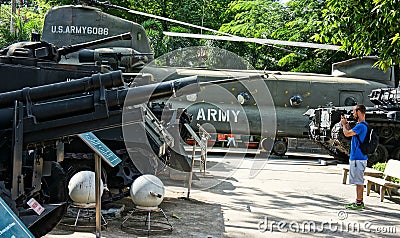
<point>326,131</point>
<point>32,126</point>
<point>29,64</point>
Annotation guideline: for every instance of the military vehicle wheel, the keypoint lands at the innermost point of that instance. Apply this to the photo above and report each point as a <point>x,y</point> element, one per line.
<point>396,154</point>
<point>127,171</point>
<point>280,147</point>
<point>5,194</point>
<point>381,155</point>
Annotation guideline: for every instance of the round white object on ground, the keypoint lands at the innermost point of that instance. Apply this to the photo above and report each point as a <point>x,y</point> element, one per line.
<point>147,192</point>
<point>82,188</point>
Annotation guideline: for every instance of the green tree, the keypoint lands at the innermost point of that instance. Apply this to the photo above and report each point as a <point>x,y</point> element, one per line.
<point>270,19</point>
<point>29,19</point>
<point>301,27</point>
<point>254,19</point>
<point>205,13</point>
<point>363,28</point>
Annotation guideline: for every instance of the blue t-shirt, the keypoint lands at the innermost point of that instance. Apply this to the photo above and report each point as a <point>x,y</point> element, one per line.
<point>355,152</point>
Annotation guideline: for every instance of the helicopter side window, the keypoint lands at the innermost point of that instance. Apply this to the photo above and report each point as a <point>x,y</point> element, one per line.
<point>350,98</point>
<point>350,101</point>
<point>243,97</point>
<point>296,100</point>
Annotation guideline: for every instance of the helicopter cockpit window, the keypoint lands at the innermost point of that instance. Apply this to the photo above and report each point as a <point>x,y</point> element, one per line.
<point>296,100</point>
<point>350,101</point>
<point>139,36</point>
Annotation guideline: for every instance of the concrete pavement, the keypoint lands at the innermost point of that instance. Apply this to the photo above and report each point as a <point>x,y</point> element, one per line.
<point>299,197</point>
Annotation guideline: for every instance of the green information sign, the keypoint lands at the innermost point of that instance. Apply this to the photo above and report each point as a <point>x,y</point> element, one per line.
<point>10,225</point>
<point>100,148</point>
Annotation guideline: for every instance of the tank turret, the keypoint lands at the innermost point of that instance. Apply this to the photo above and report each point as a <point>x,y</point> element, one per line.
<point>58,97</point>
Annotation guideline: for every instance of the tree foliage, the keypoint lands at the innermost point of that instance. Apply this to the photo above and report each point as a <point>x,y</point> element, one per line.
<point>270,19</point>
<point>301,27</point>
<point>257,19</point>
<point>205,13</point>
<point>28,19</point>
<point>363,28</point>
<point>254,19</point>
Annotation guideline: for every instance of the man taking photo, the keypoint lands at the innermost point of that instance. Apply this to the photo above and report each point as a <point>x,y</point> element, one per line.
<point>358,160</point>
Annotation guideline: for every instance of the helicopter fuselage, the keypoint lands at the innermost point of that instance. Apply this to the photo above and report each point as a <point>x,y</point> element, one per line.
<point>292,94</point>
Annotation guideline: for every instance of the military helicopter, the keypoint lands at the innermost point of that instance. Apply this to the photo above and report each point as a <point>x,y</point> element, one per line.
<point>290,94</point>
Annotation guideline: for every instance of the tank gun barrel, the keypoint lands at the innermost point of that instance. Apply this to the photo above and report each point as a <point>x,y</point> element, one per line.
<point>73,48</point>
<point>97,105</point>
<point>86,84</point>
<point>175,88</point>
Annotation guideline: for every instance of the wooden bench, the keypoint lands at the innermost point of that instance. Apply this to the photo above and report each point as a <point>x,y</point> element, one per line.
<point>368,172</point>
<point>392,170</point>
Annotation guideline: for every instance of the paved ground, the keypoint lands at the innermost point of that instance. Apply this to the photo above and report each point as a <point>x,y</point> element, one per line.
<point>289,197</point>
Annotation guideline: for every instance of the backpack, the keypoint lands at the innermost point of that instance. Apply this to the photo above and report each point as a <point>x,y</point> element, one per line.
<point>371,141</point>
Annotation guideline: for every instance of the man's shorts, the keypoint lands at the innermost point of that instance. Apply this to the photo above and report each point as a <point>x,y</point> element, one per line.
<point>357,168</point>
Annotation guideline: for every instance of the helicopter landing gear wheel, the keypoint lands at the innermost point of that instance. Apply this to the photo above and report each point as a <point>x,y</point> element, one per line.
<point>381,155</point>
<point>280,147</point>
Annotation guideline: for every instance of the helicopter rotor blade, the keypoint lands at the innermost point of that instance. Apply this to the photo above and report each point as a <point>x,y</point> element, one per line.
<point>226,36</point>
<point>254,40</point>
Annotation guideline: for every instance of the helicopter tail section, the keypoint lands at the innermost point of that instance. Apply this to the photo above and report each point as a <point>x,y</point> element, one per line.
<point>365,68</point>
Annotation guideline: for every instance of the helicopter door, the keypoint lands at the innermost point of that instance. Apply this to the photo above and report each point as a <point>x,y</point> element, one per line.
<point>351,98</point>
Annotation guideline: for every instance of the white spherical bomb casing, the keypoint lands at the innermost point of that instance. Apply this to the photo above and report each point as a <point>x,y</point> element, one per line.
<point>82,188</point>
<point>147,192</point>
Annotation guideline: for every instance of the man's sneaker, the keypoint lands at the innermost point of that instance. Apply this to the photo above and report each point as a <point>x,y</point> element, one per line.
<point>355,206</point>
